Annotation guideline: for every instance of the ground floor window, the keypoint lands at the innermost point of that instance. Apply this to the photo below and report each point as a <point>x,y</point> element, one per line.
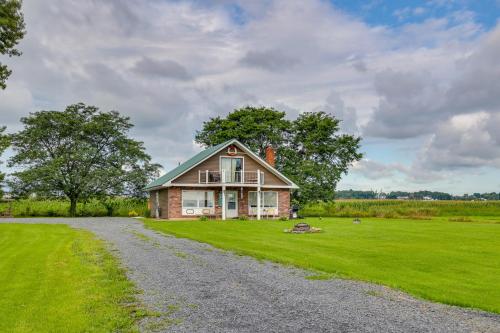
<point>268,202</point>
<point>198,202</point>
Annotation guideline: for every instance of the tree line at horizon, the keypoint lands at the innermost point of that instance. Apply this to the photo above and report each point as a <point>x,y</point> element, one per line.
<point>418,195</point>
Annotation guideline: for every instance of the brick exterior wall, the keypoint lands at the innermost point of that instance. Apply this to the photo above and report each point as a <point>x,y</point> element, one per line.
<point>243,202</point>
<point>171,201</point>
<point>174,203</point>
<point>163,200</point>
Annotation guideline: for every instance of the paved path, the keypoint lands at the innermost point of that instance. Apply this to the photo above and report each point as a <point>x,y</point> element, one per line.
<point>198,288</point>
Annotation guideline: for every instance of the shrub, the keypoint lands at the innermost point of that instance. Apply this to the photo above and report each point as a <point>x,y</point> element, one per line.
<point>203,218</point>
<point>283,218</point>
<point>133,213</point>
<point>243,218</point>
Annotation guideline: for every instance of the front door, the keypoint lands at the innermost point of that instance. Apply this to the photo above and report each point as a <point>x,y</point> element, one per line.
<point>231,204</point>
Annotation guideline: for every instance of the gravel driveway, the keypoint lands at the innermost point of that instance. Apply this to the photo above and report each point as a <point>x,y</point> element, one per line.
<point>198,288</point>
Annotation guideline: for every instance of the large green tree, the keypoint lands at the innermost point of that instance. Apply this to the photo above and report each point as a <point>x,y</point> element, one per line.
<point>310,149</point>
<point>316,155</point>
<point>4,143</point>
<point>81,153</point>
<point>256,127</point>
<point>11,32</point>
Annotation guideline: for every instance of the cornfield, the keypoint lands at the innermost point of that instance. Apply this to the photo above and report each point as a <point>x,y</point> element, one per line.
<point>401,208</point>
<point>60,208</point>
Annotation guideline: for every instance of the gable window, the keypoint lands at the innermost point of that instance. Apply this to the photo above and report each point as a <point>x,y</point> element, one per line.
<point>233,169</point>
<point>197,202</point>
<point>268,203</point>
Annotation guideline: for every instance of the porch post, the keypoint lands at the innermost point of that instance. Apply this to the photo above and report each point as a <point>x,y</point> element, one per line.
<point>258,194</point>
<point>157,204</point>
<point>223,202</point>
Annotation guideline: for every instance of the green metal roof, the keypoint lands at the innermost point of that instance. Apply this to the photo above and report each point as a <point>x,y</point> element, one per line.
<point>187,165</point>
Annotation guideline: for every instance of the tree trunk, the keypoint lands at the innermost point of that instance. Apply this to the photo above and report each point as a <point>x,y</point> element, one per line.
<point>72,207</point>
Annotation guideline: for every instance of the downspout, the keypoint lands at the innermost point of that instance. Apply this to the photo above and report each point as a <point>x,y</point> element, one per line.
<point>258,194</point>
<point>223,202</point>
<point>223,180</point>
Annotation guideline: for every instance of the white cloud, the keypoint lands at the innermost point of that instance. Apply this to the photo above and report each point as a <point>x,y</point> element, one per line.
<point>389,172</point>
<point>161,69</point>
<point>419,10</point>
<point>375,170</point>
<point>469,140</point>
<point>335,106</point>
<point>272,60</point>
<point>440,104</point>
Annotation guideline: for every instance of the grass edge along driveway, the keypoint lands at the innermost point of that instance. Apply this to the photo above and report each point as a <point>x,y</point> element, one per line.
<point>456,263</point>
<point>57,279</point>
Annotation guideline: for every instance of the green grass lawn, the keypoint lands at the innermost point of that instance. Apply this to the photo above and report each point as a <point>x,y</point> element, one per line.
<point>451,262</point>
<point>57,279</point>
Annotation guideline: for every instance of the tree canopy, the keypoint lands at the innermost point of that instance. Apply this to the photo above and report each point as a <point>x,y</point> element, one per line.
<point>81,153</point>
<point>310,149</point>
<point>256,127</point>
<point>316,156</point>
<point>11,32</point>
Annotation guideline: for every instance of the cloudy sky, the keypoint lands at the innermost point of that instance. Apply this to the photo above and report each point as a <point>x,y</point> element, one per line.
<point>418,80</point>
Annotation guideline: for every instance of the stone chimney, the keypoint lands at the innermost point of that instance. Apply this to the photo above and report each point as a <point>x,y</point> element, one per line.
<point>270,156</point>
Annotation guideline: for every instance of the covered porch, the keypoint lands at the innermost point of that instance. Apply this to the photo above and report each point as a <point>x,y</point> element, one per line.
<point>227,202</point>
<point>251,202</point>
<point>221,201</point>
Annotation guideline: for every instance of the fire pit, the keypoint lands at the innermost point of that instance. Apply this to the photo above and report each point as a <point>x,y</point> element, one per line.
<point>302,228</point>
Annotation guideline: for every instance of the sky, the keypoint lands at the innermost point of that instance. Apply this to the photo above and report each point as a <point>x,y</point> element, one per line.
<point>419,81</point>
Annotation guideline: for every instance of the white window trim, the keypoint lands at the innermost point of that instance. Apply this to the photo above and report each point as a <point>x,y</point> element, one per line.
<point>262,206</point>
<point>194,211</point>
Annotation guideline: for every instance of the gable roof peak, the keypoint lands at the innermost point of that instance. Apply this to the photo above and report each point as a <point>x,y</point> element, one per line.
<point>205,154</point>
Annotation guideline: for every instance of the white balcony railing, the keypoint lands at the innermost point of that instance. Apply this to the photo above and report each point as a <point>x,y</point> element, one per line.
<point>230,177</point>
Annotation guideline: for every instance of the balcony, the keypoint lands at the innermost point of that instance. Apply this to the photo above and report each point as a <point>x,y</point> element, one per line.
<point>230,177</point>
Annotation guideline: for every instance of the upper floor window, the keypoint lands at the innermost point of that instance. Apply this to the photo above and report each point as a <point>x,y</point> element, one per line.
<point>232,168</point>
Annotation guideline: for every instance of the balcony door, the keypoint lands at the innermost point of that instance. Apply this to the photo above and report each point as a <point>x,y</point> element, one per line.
<point>233,169</point>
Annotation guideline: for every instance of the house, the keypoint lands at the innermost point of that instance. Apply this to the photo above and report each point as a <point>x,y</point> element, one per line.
<point>224,181</point>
